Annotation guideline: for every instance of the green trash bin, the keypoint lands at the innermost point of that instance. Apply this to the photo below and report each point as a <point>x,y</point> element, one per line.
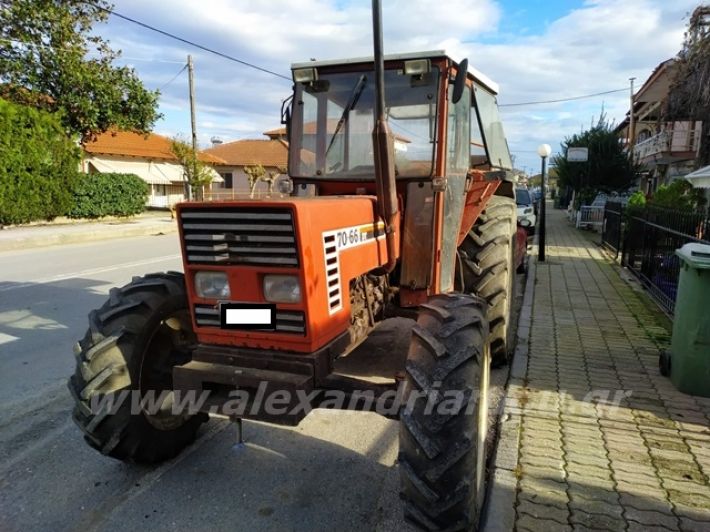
<point>690,343</point>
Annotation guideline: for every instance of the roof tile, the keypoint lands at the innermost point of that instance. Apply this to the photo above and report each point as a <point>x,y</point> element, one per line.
<point>251,152</point>
<point>150,146</point>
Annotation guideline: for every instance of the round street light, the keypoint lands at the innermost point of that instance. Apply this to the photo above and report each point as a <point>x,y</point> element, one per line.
<point>544,151</point>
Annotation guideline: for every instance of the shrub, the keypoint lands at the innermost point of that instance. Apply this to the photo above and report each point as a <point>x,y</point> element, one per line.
<point>98,195</point>
<point>39,165</point>
<point>637,199</point>
<point>679,194</point>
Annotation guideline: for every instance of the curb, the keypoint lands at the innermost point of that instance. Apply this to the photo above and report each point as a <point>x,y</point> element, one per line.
<point>91,235</point>
<point>499,513</point>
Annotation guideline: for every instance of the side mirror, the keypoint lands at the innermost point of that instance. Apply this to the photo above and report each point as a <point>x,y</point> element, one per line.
<point>286,116</point>
<point>460,81</point>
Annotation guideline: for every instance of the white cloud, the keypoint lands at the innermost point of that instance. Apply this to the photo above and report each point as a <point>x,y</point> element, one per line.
<point>593,48</point>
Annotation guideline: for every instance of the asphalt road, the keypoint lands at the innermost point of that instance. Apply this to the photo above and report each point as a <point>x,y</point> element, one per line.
<point>335,471</point>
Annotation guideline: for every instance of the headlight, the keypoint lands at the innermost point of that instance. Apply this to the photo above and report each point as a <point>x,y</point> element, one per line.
<point>212,285</point>
<point>282,289</point>
<point>528,210</point>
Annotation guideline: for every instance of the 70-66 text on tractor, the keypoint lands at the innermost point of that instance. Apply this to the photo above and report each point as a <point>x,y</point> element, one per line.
<point>401,205</point>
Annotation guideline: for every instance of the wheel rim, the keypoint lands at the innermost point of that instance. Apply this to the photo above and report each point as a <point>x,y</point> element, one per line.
<point>168,346</point>
<point>482,425</point>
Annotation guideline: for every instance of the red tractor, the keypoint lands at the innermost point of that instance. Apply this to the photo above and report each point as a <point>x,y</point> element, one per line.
<point>401,204</point>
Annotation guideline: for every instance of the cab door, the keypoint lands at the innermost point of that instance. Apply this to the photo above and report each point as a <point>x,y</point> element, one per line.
<point>458,142</point>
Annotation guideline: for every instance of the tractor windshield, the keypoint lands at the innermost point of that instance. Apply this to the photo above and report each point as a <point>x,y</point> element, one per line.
<point>333,117</point>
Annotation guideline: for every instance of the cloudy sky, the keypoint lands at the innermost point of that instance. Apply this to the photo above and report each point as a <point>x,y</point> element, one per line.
<point>535,49</point>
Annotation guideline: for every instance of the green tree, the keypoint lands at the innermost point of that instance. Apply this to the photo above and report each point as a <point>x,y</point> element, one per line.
<point>608,168</point>
<point>197,173</point>
<point>38,165</point>
<point>50,58</point>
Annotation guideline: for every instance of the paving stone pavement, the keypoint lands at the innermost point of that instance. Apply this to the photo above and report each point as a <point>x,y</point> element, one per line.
<point>604,442</point>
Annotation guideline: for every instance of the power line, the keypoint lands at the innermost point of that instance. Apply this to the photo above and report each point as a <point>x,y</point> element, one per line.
<point>13,41</point>
<point>63,49</point>
<point>191,43</point>
<point>267,71</point>
<point>174,77</point>
<point>563,99</point>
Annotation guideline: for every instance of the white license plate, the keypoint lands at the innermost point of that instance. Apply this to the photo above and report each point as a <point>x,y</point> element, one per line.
<point>247,316</point>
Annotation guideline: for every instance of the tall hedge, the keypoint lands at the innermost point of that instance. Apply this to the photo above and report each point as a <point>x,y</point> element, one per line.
<point>39,164</point>
<point>98,195</point>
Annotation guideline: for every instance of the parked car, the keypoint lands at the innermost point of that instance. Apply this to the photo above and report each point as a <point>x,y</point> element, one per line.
<point>536,194</point>
<point>526,210</point>
<point>521,246</point>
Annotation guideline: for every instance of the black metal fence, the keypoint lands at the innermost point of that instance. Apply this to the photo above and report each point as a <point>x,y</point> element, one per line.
<point>612,226</point>
<point>651,236</point>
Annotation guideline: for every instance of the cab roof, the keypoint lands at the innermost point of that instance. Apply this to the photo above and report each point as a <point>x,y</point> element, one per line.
<point>430,54</point>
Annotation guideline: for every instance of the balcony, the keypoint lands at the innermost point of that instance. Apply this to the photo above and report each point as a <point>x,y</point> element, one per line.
<point>671,145</point>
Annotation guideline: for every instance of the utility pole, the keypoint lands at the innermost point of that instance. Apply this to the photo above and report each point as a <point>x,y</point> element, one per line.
<point>191,75</point>
<point>632,121</point>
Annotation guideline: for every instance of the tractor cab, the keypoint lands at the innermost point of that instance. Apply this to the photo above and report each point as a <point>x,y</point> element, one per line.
<point>443,119</point>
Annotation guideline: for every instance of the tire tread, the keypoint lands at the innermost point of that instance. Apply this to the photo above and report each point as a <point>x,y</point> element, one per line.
<point>437,456</point>
<point>108,360</point>
<point>487,261</point>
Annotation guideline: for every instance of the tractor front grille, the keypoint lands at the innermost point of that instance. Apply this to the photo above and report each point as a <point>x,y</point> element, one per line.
<point>224,236</point>
<point>287,321</point>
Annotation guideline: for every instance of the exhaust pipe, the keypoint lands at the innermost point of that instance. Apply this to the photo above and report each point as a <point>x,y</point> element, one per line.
<point>383,147</point>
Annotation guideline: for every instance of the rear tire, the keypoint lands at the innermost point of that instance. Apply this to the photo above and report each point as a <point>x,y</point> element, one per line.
<point>443,450</point>
<point>132,344</point>
<point>487,260</point>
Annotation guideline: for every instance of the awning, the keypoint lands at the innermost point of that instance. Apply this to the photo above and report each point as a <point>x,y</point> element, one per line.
<point>153,173</point>
<point>700,178</point>
<point>145,170</point>
<point>174,173</point>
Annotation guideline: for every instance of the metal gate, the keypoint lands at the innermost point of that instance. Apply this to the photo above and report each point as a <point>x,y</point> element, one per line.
<point>651,237</point>
<point>612,226</point>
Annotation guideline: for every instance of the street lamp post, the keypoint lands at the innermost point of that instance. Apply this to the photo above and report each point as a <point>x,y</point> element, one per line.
<point>543,151</point>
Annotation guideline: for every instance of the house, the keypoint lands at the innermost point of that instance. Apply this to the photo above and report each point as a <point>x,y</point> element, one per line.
<point>665,149</point>
<point>309,135</point>
<point>271,153</point>
<point>147,156</point>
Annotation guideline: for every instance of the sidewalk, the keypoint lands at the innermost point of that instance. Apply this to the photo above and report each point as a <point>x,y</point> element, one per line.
<point>50,234</point>
<point>592,436</point>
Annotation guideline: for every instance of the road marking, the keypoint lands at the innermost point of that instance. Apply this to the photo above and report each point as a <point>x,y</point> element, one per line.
<point>92,271</point>
<point>6,338</point>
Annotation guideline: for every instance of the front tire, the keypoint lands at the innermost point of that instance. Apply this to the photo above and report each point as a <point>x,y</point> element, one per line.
<point>132,344</point>
<point>487,258</point>
<point>443,426</point>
